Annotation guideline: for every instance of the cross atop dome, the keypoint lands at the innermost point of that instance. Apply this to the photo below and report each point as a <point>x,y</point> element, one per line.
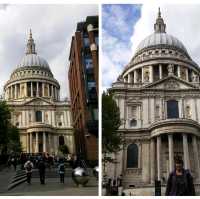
<point>159,26</point>
<point>30,47</point>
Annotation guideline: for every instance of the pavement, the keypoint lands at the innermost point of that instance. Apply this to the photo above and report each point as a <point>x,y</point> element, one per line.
<point>52,186</point>
<point>6,175</point>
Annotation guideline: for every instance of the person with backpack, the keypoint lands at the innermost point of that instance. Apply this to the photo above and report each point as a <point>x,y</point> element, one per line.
<point>41,168</point>
<point>28,167</point>
<point>61,170</point>
<point>180,181</point>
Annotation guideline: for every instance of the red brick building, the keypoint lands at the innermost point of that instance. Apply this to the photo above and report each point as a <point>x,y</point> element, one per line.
<point>83,82</point>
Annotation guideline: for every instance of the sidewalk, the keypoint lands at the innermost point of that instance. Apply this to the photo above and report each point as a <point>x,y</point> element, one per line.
<point>54,188</point>
<point>5,177</point>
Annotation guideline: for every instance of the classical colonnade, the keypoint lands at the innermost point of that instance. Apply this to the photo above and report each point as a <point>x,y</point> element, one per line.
<point>32,89</point>
<point>32,139</point>
<point>138,76</point>
<point>155,147</point>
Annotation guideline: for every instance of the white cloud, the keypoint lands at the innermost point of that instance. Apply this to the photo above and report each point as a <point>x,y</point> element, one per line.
<point>52,27</point>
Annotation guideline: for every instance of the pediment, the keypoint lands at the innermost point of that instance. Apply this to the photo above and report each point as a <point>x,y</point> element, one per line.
<point>171,83</point>
<point>38,102</point>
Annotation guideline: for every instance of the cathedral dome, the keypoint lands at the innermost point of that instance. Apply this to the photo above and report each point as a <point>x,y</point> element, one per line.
<point>161,39</point>
<point>30,60</point>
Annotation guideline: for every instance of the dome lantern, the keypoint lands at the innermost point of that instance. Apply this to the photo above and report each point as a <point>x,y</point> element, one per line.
<point>30,45</point>
<point>159,26</point>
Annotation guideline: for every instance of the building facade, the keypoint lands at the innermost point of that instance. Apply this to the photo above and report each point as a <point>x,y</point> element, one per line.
<point>83,81</point>
<point>158,94</point>
<point>34,98</point>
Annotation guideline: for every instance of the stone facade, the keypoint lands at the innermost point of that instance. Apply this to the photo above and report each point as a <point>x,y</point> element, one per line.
<point>34,98</point>
<point>158,95</point>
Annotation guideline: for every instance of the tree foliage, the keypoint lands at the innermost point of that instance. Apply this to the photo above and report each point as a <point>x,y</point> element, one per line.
<point>9,135</point>
<point>64,149</point>
<point>111,138</point>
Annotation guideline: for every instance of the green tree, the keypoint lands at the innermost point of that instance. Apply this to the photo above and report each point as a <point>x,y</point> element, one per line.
<point>64,149</point>
<point>111,138</point>
<point>9,135</point>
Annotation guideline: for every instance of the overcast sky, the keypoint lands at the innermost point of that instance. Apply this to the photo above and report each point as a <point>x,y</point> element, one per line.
<point>52,28</point>
<point>132,23</point>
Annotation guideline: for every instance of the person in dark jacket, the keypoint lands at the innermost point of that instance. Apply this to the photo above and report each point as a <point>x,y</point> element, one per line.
<point>61,170</point>
<point>180,181</point>
<point>42,167</point>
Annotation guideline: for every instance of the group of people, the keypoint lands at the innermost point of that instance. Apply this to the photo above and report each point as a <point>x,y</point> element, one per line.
<point>28,166</point>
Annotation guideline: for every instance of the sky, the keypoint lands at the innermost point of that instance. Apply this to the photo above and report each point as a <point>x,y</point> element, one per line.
<point>52,27</point>
<point>125,26</point>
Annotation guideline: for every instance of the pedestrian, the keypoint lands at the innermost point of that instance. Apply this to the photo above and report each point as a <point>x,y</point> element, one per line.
<point>28,167</point>
<point>180,181</point>
<point>41,168</point>
<point>61,170</point>
<point>14,162</point>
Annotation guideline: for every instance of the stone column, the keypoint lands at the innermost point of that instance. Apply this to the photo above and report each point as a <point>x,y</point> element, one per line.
<point>25,89</point>
<point>171,152</point>
<point>44,141</point>
<point>135,76</point>
<point>187,74</point>
<point>159,157</point>
<point>27,143</point>
<point>49,143</point>
<point>130,78</point>
<point>152,153</point>
<point>48,90</point>
<point>52,93</point>
<point>69,118</point>
<point>196,156</point>
<point>151,73</point>
<point>31,89</point>
<point>37,89</point>
<point>65,119</point>
<point>11,92</point>
<point>160,71</point>
<point>31,143</point>
<point>15,91</point>
<point>179,71</point>
<point>186,152</point>
<point>43,89</point>
<point>142,74</point>
<point>55,143</point>
<point>36,142</point>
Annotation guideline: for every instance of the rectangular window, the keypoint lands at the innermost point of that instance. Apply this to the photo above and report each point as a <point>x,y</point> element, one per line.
<point>88,63</point>
<point>86,42</point>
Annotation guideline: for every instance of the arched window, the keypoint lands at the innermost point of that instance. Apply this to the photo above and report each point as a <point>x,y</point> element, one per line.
<point>61,140</point>
<point>132,156</point>
<point>172,109</point>
<point>38,116</point>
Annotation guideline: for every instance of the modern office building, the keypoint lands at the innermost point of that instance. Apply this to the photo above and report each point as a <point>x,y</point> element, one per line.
<point>83,81</point>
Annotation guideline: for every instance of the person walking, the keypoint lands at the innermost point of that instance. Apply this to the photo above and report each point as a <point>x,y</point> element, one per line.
<point>61,170</point>
<point>41,168</point>
<point>180,181</point>
<point>28,167</point>
<point>14,162</point>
